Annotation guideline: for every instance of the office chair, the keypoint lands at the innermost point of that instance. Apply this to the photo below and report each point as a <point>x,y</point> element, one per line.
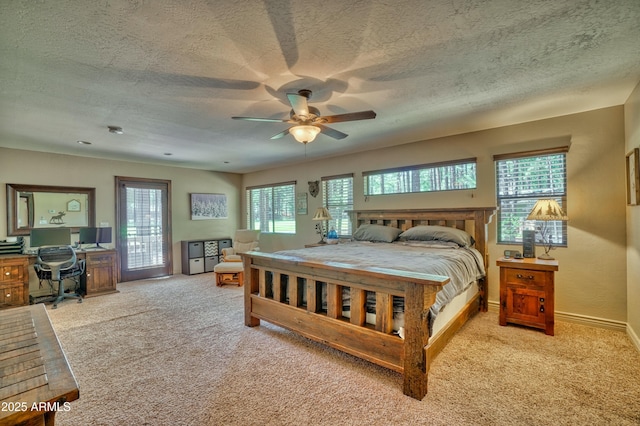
<point>57,263</point>
<point>231,269</point>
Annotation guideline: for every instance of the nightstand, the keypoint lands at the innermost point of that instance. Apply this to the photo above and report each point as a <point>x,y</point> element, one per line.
<point>527,292</point>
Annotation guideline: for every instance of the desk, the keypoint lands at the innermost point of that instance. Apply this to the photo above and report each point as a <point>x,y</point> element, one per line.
<point>14,280</point>
<point>101,272</point>
<point>35,377</point>
<point>100,277</point>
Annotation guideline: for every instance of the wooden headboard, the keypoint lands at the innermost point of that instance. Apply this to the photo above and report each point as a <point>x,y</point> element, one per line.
<point>474,220</point>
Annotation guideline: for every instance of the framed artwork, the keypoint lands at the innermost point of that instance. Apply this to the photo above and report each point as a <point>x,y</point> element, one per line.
<point>301,203</point>
<point>633,177</point>
<point>209,206</point>
<point>74,206</point>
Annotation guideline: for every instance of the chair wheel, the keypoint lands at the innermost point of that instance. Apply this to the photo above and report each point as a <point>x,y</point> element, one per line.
<point>79,300</point>
<point>54,307</point>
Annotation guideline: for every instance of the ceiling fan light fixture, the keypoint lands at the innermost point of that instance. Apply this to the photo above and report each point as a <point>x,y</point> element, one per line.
<point>304,134</point>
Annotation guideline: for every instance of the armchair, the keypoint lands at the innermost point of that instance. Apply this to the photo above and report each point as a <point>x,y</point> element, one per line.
<point>231,269</point>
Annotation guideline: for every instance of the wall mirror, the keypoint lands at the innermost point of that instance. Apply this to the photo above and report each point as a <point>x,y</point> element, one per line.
<point>40,206</point>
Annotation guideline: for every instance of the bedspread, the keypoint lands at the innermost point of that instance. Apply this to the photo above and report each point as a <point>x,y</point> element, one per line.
<point>462,265</point>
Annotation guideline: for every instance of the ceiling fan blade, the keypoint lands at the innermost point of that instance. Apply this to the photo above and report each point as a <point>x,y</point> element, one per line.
<point>331,132</point>
<point>266,120</point>
<point>281,134</point>
<point>299,105</point>
<point>350,116</point>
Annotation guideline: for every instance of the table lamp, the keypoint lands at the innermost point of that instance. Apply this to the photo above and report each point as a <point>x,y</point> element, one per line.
<point>546,211</point>
<point>321,214</point>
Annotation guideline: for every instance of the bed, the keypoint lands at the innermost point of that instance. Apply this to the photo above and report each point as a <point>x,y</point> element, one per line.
<point>349,305</point>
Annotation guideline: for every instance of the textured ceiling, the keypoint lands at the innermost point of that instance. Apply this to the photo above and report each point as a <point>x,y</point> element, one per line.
<point>172,73</point>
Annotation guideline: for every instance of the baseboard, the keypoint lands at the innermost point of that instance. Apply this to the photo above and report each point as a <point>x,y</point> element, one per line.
<point>633,336</point>
<point>592,321</point>
<point>494,306</point>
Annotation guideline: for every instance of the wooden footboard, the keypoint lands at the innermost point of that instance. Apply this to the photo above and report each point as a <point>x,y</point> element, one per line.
<point>274,290</point>
<point>287,291</point>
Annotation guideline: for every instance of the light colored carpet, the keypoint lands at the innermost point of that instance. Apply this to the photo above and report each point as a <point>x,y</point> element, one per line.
<point>175,351</point>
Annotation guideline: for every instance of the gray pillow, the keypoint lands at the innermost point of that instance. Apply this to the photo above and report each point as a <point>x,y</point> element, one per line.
<point>441,233</point>
<point>376,233</point>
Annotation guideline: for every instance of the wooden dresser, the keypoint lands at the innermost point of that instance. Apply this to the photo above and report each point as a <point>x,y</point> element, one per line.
<point>527,292</point>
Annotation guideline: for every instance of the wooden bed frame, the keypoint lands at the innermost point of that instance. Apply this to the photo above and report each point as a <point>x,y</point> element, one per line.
<point>269,297</point>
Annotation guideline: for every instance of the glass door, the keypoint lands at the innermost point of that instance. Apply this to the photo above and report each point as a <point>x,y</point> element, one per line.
<point>144,230</point>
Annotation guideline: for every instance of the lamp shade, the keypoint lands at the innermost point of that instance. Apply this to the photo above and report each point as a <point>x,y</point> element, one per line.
<point>304,134</point>
<point>547,210</point>
<point>322,214</point>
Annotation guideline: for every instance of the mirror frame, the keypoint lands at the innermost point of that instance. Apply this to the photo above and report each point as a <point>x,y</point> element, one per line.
<point>14,190</point>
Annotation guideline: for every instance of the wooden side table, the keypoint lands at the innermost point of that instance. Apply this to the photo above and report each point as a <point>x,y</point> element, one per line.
<point>527,292</point>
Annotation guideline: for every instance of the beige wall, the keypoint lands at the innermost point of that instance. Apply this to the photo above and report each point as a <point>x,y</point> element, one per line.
<point>592,278</point>
<point>591,282</point>
<point>632,133</point>
<point>26,167</point>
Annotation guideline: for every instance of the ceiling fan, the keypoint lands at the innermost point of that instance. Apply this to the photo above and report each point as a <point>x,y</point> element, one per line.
<point>308,121</point>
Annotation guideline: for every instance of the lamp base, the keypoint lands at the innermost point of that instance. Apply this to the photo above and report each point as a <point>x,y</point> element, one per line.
<point>545,256</point>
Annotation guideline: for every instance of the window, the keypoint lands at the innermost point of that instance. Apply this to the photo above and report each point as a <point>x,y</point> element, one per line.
<point>337,193</point>
<point>272,209</point>
<point>524,178</point>
<point>446,176</point>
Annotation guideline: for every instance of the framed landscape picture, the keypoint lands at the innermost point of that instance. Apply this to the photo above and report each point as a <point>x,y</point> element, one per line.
<point>209,206</point>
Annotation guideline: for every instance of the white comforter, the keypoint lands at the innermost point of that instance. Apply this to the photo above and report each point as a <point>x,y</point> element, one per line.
<point>462,265</point>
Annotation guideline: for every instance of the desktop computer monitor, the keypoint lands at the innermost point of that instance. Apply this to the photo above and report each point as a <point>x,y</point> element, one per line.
<point>39,237</point>
<point>95,236</point>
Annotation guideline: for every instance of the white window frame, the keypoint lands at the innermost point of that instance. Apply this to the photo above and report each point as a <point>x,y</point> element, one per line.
<point>517,196</point>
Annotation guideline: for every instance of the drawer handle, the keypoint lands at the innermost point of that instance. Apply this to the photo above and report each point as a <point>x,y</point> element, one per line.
<point>7,273</point>
<point>528,277</point>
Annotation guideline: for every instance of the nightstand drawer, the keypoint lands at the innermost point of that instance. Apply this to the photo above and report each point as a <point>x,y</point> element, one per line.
<point>526,277</point>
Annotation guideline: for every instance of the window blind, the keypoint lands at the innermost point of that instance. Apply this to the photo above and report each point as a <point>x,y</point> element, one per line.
<point>337,193</point>
<point>521,181</point>
<point>271,208</point>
